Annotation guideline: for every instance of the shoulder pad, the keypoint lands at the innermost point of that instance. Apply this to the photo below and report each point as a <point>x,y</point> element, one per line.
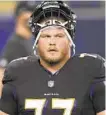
<point>16,66</point>
<point>91,56</point>
<point>22,60</point>
<point>96,64</point>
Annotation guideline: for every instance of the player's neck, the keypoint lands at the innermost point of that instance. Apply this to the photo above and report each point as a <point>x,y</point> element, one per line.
<point>53,67</point>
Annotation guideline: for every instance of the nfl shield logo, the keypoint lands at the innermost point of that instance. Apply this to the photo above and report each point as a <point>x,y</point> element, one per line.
<point>50,83</point>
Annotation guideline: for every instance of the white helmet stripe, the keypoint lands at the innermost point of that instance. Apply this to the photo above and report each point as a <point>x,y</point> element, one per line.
<point>37,38</point>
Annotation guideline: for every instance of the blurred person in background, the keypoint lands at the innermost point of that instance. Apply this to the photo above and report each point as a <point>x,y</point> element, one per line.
<point>20,42</point>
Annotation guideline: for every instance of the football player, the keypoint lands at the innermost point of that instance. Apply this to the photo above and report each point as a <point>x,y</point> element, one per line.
<point>58,82</point>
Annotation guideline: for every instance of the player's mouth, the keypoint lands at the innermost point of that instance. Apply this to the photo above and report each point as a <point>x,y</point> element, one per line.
<point>52,50</point>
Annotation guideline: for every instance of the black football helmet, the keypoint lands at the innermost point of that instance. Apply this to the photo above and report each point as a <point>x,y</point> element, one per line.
<point>49,9</point>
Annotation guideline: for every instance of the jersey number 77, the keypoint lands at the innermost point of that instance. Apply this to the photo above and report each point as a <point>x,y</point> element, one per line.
<point>57,103</point>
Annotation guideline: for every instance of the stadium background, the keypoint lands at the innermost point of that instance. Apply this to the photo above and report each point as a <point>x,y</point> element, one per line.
<point>90,30</point>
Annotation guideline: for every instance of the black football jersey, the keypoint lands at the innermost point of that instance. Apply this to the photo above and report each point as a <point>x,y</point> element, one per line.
<point>76,89</point>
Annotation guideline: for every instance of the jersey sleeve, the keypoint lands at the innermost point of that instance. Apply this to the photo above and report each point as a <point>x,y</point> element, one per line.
<point>98,96</point>
<point>97,91</point>
<point>8,100</point>
<point>14,75</point>
<point>100,69</point>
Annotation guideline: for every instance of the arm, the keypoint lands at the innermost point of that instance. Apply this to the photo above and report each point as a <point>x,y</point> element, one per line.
<point>1,77</point>
<point>8,98</point>
<point>2,113</point>
<point>98,89</point>
<point>98,97</point>
<point>102,113</point>
<point>8,103</point>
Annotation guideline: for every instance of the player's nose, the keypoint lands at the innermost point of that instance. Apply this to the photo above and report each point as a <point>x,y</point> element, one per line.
<point>52,41</point>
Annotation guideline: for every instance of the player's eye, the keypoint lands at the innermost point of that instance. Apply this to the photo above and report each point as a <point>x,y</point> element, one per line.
<point>59,36</point>
<point>45,36</point>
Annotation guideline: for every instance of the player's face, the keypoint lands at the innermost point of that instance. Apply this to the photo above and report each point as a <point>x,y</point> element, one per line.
<point>53,45</point>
